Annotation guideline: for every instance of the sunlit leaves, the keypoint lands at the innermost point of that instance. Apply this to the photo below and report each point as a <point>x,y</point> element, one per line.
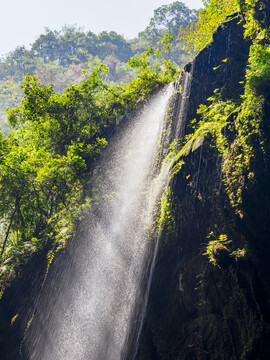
<point>55,140</point>
<point>197,35</point>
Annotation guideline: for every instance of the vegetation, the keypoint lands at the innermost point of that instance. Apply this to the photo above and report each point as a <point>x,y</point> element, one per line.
<point>56,138</point>
<point>57,130</point>
<point>167,19</point>
<point>214,246</point>
<point>197,35</point>
<point>44,160</point>
<point>235,125</point>
<point>58,57</point>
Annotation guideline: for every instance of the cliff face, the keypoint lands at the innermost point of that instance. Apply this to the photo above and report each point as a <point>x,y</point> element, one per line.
<point>209,298</point>
<point>218,309</point>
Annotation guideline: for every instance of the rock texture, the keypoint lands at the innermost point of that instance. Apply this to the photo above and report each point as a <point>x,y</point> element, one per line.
<point>197,310</point>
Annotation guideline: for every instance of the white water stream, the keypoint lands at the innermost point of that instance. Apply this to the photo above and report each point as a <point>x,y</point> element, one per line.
<point>86,314</point>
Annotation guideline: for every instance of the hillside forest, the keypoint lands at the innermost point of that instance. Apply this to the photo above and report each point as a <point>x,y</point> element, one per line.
<point>58,57</point>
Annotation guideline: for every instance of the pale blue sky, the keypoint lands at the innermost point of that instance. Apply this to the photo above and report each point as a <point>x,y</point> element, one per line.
<point>22,21</point>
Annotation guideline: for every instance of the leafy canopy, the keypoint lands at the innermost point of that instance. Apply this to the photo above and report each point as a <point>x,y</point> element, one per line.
<point>54,142</point>
<point>197,35</point>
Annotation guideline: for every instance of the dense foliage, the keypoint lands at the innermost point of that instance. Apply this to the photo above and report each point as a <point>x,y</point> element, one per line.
<point>59,57</point>
<point>198,34</point>
<point>66,47</point>
<point>55,140</point>
<point>167,19</point>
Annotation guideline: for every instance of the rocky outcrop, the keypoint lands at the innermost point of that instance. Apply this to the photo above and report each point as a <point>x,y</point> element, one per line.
<point>219,66</point>
<point>197,310</point>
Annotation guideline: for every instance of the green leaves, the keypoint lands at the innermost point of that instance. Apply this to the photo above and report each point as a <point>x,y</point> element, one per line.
<point>55,140</point>
<point>198,34</point>
<point>167,42</point>
<point>214,247</point>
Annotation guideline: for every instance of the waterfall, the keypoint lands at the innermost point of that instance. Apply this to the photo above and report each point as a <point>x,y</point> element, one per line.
<point>159,186</point>
<point>86,306</point>
<point>172,130</point>
<point>182,110</point>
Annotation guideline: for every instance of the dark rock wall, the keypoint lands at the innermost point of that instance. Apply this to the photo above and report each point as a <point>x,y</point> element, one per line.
<point>219,66</point>
<point>197,310</point>
<point>17,306</point>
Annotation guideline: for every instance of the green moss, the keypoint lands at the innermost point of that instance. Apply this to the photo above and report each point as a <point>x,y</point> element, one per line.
<point>214,246</point>
<point>236,126</point>
<point>239,253</point>
<point>222,244</point>
<point>176,168</point>
<point>239,157</point>
<point>166,220</point>
<point>213,119</point>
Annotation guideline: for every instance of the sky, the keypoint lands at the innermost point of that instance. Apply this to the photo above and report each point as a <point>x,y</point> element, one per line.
<point>22,21</point>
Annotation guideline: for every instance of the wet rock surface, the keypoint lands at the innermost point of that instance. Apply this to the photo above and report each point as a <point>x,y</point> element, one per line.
<point>197,310</point>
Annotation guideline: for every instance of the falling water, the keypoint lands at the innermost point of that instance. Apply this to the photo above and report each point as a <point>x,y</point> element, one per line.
<point>186,81</point>
<point>159,186</point>
<point>86,308</point>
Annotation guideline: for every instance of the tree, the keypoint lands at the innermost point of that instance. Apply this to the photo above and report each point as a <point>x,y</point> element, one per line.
<point>167,19</point>
<point>10,96</point>
<point>46,46</point>
<point>111,43</point>
<point>55,139</point>
<point>197,35</point>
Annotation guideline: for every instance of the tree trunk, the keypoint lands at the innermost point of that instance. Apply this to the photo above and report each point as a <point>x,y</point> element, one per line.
<point>7,233</point>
